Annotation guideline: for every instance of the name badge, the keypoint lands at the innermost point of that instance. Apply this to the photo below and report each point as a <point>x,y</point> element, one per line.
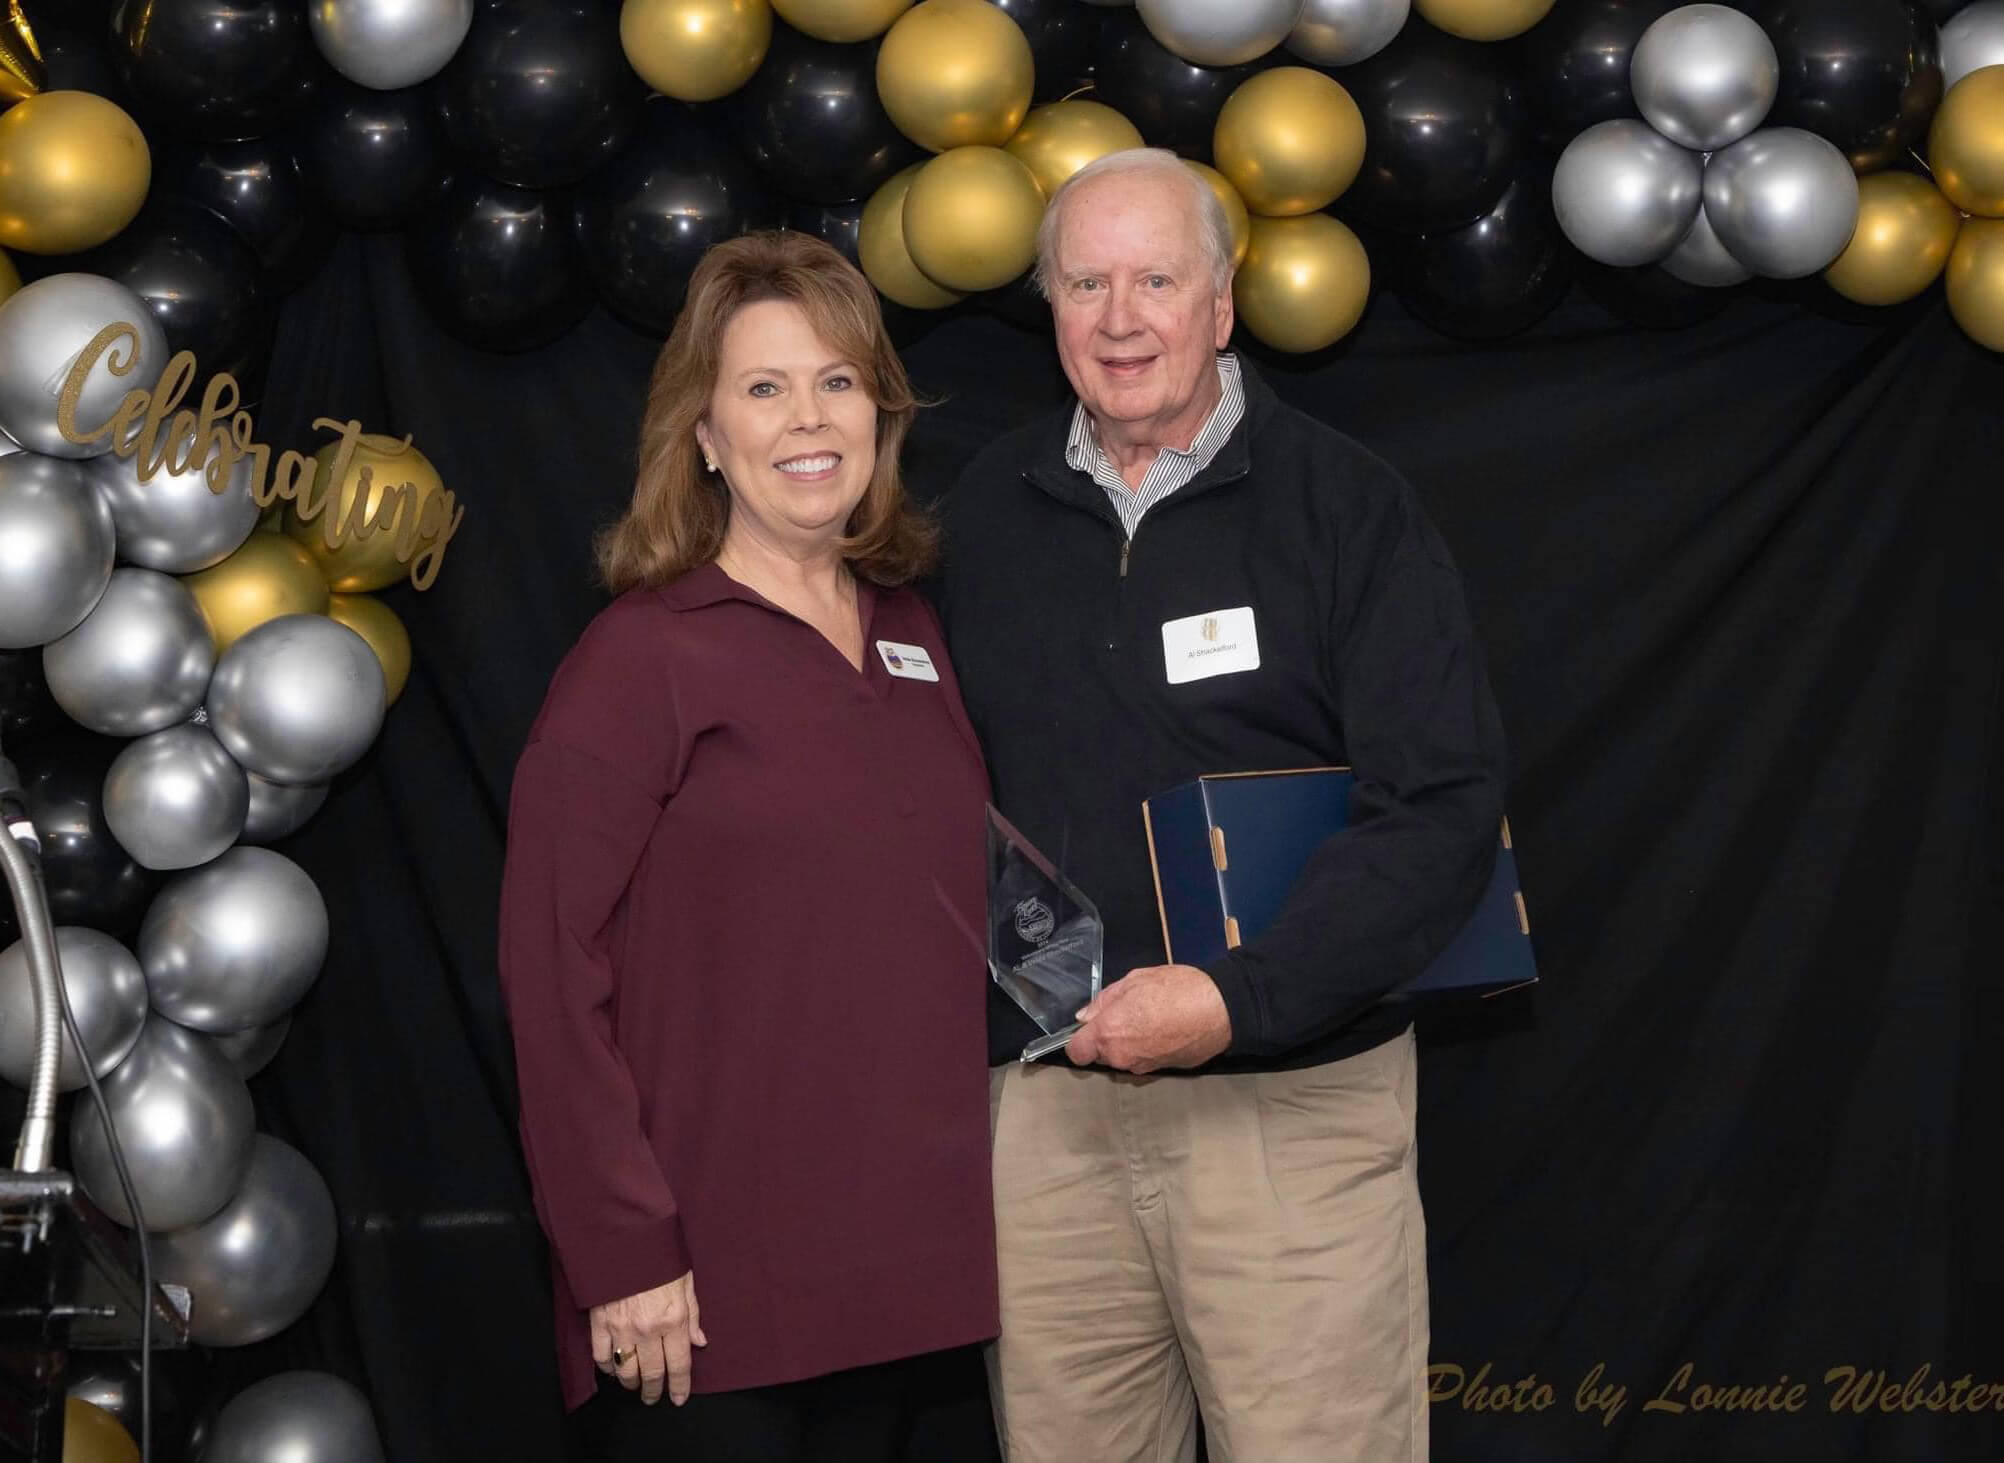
<point>912,662</point>
<point>1220,643</point>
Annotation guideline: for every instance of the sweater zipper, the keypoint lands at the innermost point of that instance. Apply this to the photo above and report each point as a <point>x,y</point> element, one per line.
<point>1120,592</point>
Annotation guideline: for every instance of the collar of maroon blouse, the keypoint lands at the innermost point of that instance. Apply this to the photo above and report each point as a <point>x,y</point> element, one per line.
<point>708,584</point>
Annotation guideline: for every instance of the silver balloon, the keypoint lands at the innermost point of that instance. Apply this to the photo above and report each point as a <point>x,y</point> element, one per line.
<point>139,662</point>
<point>55,548</point>
<point>1702,260</point>
<point>1784,201</point>
<point>298,699</point>
<point>1704,75</point>
<point>107,996</point>
<point>1219,32</point>
<point>234,944</point>
<point>173,521</point>
<point>1972,39</point>
<point>43,328</point>
<point>1624,194</point>
<point>295,1417</point>
<point>277,808</point>
<point>183,1117</point>
<point>254,1267</point>
<point>1344,32</point>
<point>174,798</point>
<point>385,44</point>
<point>251,1051</point>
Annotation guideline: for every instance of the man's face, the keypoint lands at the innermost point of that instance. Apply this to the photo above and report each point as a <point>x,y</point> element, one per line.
<point>1139,320</point>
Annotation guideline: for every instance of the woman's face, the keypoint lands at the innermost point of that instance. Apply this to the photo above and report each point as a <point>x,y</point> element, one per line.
<point>789,427</point>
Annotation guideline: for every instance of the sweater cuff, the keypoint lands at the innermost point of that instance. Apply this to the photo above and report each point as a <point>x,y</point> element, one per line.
<point>616,1264</point>
<point>1242,1005</point>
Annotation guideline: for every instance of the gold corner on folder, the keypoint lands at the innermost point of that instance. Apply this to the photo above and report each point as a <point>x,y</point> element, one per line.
<point>1523,915</point>
<point>1218,860</point>
<point>1231,933</point>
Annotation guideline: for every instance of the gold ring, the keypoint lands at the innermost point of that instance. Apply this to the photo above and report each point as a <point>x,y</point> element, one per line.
<point>619,1356</point>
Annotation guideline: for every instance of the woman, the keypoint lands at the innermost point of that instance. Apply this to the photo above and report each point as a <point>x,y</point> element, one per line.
<point>744,872</point>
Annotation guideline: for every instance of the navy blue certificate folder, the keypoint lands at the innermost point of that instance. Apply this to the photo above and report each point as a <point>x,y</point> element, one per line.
<point>1227,849</point>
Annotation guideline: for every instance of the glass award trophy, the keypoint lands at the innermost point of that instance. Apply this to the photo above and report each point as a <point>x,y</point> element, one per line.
<point>1045,939</point>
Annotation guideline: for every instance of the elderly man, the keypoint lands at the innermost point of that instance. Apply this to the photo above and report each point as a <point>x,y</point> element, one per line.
<point>1214,1205</point>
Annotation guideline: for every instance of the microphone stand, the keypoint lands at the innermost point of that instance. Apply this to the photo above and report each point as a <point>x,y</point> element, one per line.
<point>67,1278</point>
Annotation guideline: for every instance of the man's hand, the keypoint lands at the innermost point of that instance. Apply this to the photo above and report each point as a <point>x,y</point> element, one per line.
<point>644,1340</point>
<point>1158,1016</point>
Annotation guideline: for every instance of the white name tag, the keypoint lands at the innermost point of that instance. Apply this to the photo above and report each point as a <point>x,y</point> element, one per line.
<point>913,662</point>
<point>1220,643</point>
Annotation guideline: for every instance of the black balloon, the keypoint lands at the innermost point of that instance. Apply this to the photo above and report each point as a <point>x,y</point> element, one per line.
<point>202,282</point>
<point>1062,34</point>
<point>539,94</point>
<point>224,69</point>
<point>811,120</point>
<point>89,878</point>
<point>25,702</point>
<point>644,221</point>
<point>496,263</point>
<point>80,60</point>
<point>260,190</point>
<point>1173,103</point>
<point>839,224</point>
<point>1864,73</point>
<point>1496,276</point>
<point>1575,64</point>
<point>1442,129</point>
<point>1940,10</point>
<point>375,155</point>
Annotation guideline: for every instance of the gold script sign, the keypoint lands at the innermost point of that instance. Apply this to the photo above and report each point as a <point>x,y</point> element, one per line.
<point>152,426</point>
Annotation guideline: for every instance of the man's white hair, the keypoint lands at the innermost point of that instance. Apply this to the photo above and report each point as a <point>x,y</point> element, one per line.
<point>1213,228</point>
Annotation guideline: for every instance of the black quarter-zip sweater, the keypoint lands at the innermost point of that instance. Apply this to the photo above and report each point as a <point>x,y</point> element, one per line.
<point>1054,619</point>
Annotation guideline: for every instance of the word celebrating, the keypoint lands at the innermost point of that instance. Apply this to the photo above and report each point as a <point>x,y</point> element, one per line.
<point>1847,1389</point>
<point>218,437</point>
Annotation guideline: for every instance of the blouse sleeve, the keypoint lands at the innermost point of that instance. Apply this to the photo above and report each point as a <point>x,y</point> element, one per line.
<point>591,783</point>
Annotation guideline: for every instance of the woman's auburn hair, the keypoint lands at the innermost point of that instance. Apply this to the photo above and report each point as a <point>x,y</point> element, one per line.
<point>679,512</point>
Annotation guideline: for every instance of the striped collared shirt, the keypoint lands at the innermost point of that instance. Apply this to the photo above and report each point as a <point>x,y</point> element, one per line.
<point>1172,467</point>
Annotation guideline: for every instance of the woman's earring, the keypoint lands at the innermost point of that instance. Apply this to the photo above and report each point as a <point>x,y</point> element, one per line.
<point>709,466</point>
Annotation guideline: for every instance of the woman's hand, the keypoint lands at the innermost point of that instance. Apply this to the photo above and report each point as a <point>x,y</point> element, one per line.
<point>645,1339</point>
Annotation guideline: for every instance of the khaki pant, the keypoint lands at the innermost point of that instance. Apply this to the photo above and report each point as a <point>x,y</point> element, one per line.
<point>1251,1245</point>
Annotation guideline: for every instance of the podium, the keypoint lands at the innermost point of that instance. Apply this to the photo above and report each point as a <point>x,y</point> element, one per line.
<point>69,1281</point>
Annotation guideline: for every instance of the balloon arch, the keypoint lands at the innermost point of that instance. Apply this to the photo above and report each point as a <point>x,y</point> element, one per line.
<point>180,165</point>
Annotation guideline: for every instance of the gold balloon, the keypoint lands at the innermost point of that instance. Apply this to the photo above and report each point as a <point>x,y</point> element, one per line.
<point>73,172</point>
<point>841,20</point>
<point>1304,283</point>
<point>1235,207</point>
<point>378,624</point>
<point>368,560</point>
<point>695,50</point>
<point>92,1435</point>
<point>955,73</point>
<point>1905,230</point>
<point>1055,141</point>
<point>1290,139</point>
<point>971,218</point>
<point>880,244</point>
<point>21,71</point>
<point>1976,281</point>
<point>268,577</point>
<point>1484,20</point>
<point>1965,146</point>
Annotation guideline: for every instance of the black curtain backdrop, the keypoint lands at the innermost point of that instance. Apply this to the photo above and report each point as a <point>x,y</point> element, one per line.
<point>1740,593</point>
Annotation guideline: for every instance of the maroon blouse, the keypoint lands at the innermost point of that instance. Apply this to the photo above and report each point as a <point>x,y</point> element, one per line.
<point>739,948</point>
